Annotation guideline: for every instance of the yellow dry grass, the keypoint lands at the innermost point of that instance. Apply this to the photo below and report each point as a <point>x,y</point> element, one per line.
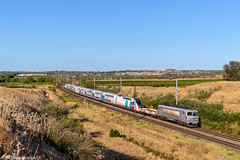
<point>51,95</point>
<point>17,96</point>
<point>179,145</point>
<point>228,95</point>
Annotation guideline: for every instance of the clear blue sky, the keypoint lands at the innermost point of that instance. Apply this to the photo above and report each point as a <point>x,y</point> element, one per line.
<point>86,35</point>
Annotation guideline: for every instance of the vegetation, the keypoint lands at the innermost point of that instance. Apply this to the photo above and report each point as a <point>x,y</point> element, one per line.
<point>28,79</point>
<point>160,99</point>
<point>212,115</point>
<point>232,71</point>
<point>56,111</point>
<point>68,133</point>
<point>115,133</point>
<point>40,79</point>
<point>181,83</point>
<point>20,86</point>
<point>112,89</point>
<point>202,94</point>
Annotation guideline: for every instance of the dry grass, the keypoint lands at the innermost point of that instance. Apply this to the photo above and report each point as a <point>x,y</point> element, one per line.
<point>18,97</point>
<point>25,131</point>
<point>101,121</point>
<point>228,95</point>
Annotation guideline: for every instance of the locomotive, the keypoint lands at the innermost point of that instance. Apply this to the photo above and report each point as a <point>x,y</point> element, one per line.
<point>182,116</point>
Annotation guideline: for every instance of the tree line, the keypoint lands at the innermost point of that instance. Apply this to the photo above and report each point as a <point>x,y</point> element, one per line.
<point>29,79</point>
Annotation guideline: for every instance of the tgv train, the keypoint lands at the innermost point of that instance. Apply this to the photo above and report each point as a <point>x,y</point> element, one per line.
<point>181,116</point>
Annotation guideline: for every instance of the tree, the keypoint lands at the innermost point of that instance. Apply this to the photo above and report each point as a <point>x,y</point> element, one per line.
<point>15,80</point>
<point>48,79</point>
<point>232,71</point>
<point>7,79</point>
<point>29,79</point>
<point>41,79</point>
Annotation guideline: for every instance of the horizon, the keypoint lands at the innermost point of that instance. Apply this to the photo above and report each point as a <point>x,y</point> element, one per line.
<point>110,35</point>
<point>115,70</point>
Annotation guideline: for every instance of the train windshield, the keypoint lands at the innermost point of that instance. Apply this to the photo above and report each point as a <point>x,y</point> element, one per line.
<point>189,113</point>
<point>195,113</point>
<point>139,103</point>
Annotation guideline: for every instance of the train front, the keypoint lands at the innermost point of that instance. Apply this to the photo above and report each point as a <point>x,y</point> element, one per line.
<point>193,118</point>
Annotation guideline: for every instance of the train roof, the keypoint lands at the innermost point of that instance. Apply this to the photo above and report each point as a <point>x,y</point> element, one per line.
<point>186,109</point>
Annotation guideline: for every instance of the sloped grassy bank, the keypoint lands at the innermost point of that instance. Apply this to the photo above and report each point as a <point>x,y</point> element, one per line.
<point>212,115</point>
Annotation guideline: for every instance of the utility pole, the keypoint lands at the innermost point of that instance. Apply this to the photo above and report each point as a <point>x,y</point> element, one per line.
<point>134,94</point>
<point>80,80</point>
<point>121,85</point>
<point>176,91</point>
<point>72,80</point>
<point>94,83</point>
<point>90,84</point>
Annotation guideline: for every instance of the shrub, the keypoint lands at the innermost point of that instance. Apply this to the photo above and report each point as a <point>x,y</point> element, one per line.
<point>114,133</point>
<point>55,111</point>
<point>73,124</point>
<point>29,79</point>
<point>41,79</point>
<point>48,79</point>
<point>238,133</point>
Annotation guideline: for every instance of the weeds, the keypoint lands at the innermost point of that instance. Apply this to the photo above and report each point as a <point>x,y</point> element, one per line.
<point>52,88</point>
<point>78,145</point>
<point>68,133</point>
<point>202,95</point>
<point>72,124</point>
<point>55,111</point>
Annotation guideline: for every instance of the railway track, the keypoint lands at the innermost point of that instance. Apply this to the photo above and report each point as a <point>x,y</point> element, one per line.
<point>202,133</point>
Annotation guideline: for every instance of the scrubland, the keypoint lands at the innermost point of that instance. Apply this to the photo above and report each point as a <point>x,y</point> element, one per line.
<point>28,130</point>
<point>46,123</point>
<point>228,93</point>
<point>100,121</point>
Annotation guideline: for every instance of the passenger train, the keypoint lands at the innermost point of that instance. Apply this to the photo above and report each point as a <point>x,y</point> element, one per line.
<point>179,115</point>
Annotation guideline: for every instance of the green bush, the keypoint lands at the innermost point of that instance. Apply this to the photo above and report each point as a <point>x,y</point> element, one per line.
<point>55,111</point>
<point>29,79</point>
<point>114,133</point>
<point>41,79</point>
<point>73,124</point>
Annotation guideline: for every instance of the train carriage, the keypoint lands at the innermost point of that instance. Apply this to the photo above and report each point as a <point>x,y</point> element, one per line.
<point>88,92</point>
<point>109,97</point>
<point>96,94</point>
<point>180,115</point>
<point>125,101</point>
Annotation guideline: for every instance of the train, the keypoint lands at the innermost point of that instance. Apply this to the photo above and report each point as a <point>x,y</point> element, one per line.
<point>180,115</point>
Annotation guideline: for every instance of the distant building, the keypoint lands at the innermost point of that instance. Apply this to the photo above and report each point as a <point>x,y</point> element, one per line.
<point>30,74</point>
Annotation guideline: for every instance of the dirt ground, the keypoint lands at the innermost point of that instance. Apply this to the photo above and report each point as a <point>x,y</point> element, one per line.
<point>228,95</point>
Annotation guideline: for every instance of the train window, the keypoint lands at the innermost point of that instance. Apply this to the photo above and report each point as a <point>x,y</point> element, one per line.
<point>139,103</point>
<point>109,95</point>
<point>195,113</point>
<point>189,113</point>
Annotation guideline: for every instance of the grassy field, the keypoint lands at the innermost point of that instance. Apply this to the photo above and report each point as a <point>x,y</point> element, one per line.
<point>100,121</point>
<point>143,140</point>
<point>223,92</point>
<point>155,83</point>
